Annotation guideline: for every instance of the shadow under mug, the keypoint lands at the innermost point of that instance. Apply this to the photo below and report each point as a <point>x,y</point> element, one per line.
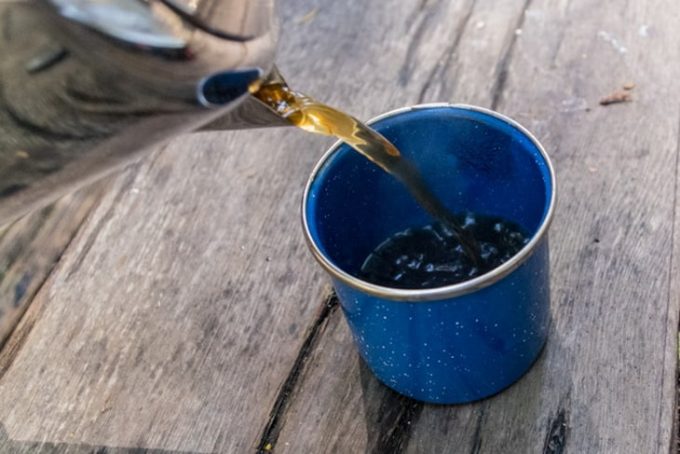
<point>461,342</point>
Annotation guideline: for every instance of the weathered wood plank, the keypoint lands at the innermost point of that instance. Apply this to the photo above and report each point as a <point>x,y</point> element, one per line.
<point>30,247</point>
<point>606,380</point>
<point>340,406</point>
<point>181,306</point>
<point>615,319</point>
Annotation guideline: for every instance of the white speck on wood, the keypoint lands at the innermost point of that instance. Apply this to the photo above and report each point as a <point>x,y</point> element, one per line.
<point>615,43</point>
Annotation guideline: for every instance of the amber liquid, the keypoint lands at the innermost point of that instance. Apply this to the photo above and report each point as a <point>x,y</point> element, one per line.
<point>313,116</point>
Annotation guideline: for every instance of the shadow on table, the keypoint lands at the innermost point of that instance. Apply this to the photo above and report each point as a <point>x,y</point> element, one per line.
<point>9,446</point>
<point>389,415</point>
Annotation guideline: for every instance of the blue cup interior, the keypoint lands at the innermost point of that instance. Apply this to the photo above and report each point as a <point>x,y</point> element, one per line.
<point>473,160</point>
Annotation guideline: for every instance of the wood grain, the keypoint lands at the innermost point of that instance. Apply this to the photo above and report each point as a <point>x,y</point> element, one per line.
<point>187,316</point>
<point>30,248</point>
<point>181,307</point>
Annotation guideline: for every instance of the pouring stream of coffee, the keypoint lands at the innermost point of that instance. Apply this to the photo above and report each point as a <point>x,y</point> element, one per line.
<point>310,115</point>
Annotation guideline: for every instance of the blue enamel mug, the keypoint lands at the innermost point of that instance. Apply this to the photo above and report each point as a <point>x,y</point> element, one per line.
<point>460,342</point>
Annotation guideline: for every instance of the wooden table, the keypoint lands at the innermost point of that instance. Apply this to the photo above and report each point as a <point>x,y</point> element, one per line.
<point>176,308</point>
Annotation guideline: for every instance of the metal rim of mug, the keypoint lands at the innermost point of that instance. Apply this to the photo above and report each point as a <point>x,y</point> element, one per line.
<point>449,291</point>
